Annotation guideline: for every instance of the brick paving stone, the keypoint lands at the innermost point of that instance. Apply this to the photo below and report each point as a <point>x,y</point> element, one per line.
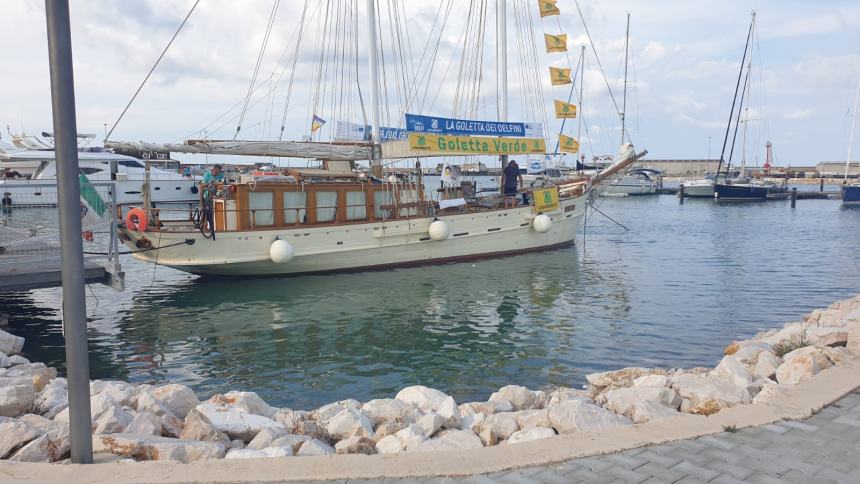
<point>800,477</point>
<point>725,479</point>
<point>690,480</point>
<point>800,425</point>
<point>732,470</point>
<point>775,428</point>
<point>665,474</point>
<point>659,459</point>
<point>628,462</point>
<point>627,475</point>
<point>851,477</point>
<point>696,471</point>
<point>723,455</point>
<point>846,420</point>
<point>761,478</point>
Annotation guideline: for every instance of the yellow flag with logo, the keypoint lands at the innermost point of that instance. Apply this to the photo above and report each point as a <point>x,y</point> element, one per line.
<point>559,76</point>
<point>555,43</point>
<point>566,144</point>
<point>548,8</point>
<point>564,110</point>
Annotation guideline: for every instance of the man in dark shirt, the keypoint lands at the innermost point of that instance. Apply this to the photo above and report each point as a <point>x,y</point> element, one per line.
<point>511,176</point>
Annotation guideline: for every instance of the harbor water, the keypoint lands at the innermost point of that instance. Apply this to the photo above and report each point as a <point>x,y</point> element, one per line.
<point>671,291</point>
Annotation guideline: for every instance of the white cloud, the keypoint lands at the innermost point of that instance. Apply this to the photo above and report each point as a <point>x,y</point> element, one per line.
<point>797,114</point>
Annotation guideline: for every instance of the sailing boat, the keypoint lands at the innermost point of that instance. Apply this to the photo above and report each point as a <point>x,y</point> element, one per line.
<point>851,193</point>
<point>336,218</point>
<point>741,187</point>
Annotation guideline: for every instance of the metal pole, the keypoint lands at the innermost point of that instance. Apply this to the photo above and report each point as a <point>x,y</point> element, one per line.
<point>502,71</point>
<point>624,102</point>
<point>68,198</point>
<point>375,111</point>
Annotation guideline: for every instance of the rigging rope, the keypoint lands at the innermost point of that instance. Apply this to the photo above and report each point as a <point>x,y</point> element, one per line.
<point>257,66</point>
<point>596,57</point>
<point>157,61</point>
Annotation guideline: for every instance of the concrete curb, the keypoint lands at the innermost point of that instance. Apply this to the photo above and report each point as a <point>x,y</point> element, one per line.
<point>799,402</point>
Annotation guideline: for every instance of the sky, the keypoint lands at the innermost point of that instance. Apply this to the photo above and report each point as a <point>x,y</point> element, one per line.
<point>684,62</point>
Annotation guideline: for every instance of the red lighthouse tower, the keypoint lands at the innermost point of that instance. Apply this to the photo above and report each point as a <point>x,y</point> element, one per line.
<point>768,162</point>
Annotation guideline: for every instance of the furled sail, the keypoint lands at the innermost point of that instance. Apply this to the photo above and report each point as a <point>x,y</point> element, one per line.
<point>290,149</point>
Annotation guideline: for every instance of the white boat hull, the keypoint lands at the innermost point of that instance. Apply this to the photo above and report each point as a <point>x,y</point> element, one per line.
<point>699,190</point>
<point>363,246</point>
<point>44,192</point>
<point>619,189</point>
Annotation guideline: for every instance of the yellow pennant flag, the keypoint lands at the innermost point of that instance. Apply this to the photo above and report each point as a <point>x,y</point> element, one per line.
<point>555,43</point>
<point>559,76</point>
<point>564,110</point>
<point>548,8</point>
<point>566,144</point>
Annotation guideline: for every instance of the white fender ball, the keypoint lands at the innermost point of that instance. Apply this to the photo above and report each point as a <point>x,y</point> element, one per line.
<point>542,223</point>
<point>281,251</point>
<point>439,231</point>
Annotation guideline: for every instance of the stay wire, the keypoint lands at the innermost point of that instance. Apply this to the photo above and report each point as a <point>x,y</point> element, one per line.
<point>175,34</point>
<point>257,66</point>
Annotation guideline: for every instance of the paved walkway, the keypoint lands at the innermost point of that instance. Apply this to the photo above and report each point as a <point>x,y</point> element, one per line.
<point>822,449</point>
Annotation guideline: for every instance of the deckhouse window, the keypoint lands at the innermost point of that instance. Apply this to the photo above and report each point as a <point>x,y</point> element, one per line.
<point>326,206</point>
<point>355,206</point>
<point>381,198</point>
<point>295,204</point>
<point>260,204</point>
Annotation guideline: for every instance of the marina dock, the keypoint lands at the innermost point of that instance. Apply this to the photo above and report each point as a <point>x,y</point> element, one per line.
<point>36,264</point>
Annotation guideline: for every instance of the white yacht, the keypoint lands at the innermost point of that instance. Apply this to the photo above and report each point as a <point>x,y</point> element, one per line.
<point>702,188</point>
<point>28,177</point>
<point>641,181</point>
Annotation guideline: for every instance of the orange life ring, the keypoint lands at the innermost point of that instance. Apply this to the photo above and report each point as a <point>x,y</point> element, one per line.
<point>136,220</point>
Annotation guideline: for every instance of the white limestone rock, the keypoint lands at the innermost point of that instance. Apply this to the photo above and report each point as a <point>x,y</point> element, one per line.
<point>431,423</point>
<point>486,408</point>
<point>709,394</point>
<point>390,445</point>
<point>529,419</point>
<point>148,447</point>
<point>292,441</point>
<point>10,344</point>
<point>259,454</point>
<point>248,402</point>
<point>112,420</point>
<point>837,355</point>
<point>349,422</point>
<point>535,433</point>
<point>38,374</point>
<point>651,381</point>
<point>800,365</point>
<point>853,343</point>
<point>16,399</point>
<point>503,425</point>
<point>450,412</point>
<point>266,436</point>
<point>384,410</point>
<point>647,410</point>
<point>731,368</point>
<point>179,399</point>
<point>426,399</point>
<point>121,392</point>
<point>236,422</point>
<point>766,365</point>
<point>576,415</point>
<point>52,446</point>
<point>623,400</point>
<point>144,423</point>
<point>388,428</point>
<point>473,421</point>
<point>619,378</point>
<point>53,399</point>
<point>769,393</point>
<point>15,434</point>
<point>315,447</point>
<point>327,412</point>
<point>451,440</point>
<point>520,397</point>
<point>356,445</point>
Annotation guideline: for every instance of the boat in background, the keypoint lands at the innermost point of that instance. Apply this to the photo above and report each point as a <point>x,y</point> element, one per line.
<point>640,181</point>
<point>702,188</point>
<point>851,193</point>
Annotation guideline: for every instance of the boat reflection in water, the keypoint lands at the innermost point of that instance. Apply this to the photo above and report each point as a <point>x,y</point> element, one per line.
<point>467,328</point>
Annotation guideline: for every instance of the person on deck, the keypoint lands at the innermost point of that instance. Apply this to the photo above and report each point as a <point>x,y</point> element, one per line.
<point>511,177</point>
<point>208,187</point>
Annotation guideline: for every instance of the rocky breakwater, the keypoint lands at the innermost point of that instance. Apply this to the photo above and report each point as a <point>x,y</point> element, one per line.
<point>169,422</point>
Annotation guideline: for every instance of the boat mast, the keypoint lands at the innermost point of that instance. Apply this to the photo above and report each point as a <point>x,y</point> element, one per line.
<point>579,115</point>
<point>375,162</point>
<point>734,100</point>
<point>851,136</point>
<point>502,66</point>
<point>624,101</point>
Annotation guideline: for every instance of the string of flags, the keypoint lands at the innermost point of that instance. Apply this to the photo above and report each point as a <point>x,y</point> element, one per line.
<point>559,76</point>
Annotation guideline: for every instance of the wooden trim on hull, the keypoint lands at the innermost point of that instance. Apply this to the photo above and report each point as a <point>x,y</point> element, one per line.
<point>384,267</point>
